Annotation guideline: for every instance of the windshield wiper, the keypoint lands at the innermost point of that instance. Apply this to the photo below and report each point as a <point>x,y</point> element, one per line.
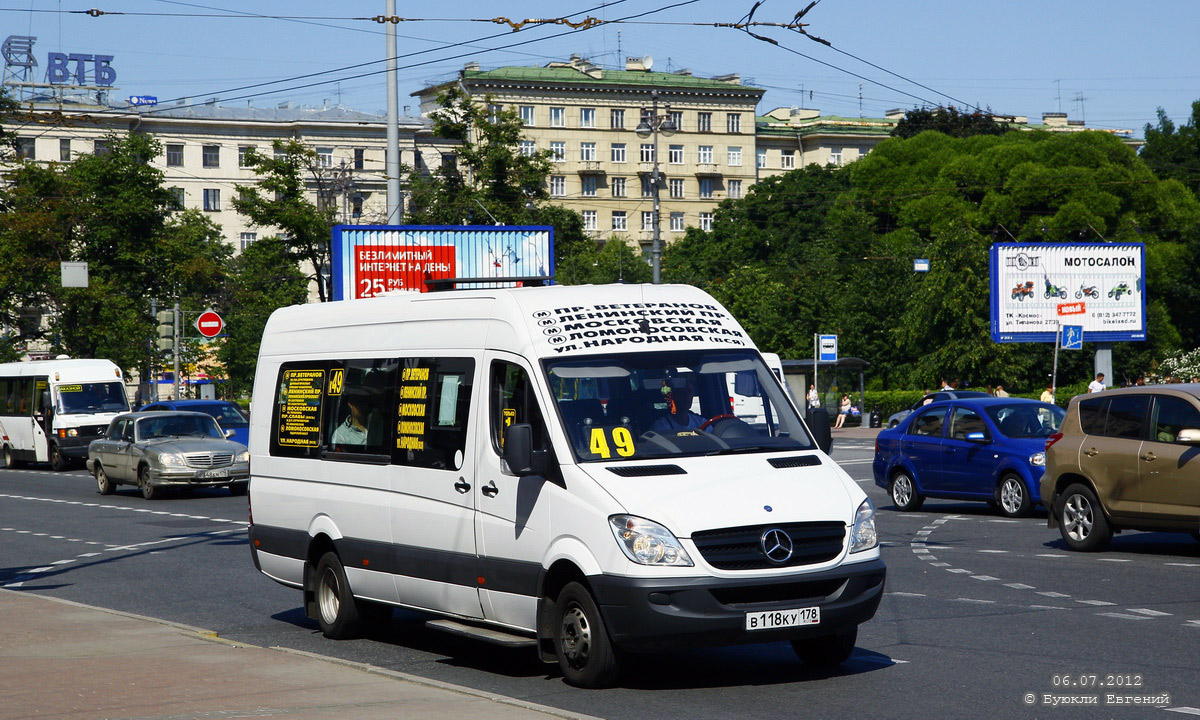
<point>747,449</point>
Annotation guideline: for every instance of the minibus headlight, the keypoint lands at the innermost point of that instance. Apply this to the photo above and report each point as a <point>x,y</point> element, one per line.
<point>171,459</point>
<point>648,543</point>
<point>864,537</point>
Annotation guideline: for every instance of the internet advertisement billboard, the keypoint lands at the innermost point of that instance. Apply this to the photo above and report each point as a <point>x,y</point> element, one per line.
<point>1100,286</point>
<point>368,260</point>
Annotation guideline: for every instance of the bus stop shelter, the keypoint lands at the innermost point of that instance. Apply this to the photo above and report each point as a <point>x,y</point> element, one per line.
<point>834,379</point>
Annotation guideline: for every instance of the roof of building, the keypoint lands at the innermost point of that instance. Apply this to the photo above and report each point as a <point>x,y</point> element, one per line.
<point>213,110</point>
<point>603,76</point>
<point>823,125</point>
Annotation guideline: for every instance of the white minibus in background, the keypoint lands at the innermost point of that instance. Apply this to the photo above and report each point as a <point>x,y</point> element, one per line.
<point>51,409</point>
<point>556,467</point>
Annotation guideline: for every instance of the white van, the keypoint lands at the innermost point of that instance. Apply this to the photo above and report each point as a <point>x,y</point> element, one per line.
<point>523,463</point>
<point>51,409</point>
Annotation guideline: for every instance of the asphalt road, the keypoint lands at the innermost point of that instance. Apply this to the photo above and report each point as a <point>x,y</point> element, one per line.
<point>981,613</point>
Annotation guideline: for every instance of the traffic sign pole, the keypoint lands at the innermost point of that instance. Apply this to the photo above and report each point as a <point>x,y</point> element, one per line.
<point>1054,373</point>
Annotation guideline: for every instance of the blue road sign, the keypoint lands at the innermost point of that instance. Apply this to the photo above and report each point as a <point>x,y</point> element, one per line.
<point>828,345</point>
<point>1072,337</point>
<point>921,265</point>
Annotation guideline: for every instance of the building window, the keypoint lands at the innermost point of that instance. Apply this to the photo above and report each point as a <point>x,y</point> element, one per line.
<point>589,219</point>
<point>558,151</point>
<point>212,156</point>
<point>618,187</point>
<point>618,152</point>
<point>244,155</point>
<point>647,219</point>
<point>325,157</point>
<point>587,117</point>
<point>589,185</point>
<point>676,222</point>
<point>787,159</point>
<point>704,122</point>
<point>26,148</point>
<point>450,160</point>
<point>528,148</point>
<point>558,117</point>
<point>618,220</point>
<point>676,185</point>
<point>733,123</point>
<point>356,204</point>
<point>761,158</point>
<point>675,154</point>
<point>64,150</point>
<point>706,219</point>
<point>101,148</point>
<point>212,199</point>
<point>735,188</point>
<point>174,155</point>
<point>494,112</point>
<point>246,239</point>
<point>176,197</point>
<point>734,156</point>
<point>616,119</point>
<point>587,151</point>
<point>835,156</point>
<point>360,159</point>
<point>647,186</point>
<point>647,152</point>
<point>676,119</point>
<point>558,185</point>
<point>706,187</point>
<point>526,112</point>
<point>706,154</point>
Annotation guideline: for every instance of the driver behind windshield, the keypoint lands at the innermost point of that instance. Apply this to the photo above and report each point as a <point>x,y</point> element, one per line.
<point>679,416</point>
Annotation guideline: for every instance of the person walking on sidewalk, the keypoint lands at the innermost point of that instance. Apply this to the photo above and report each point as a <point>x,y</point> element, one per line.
<point>814,397</point>
<point>1096,385</point>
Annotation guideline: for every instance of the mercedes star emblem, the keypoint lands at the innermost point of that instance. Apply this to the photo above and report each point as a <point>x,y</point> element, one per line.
<point>777,546</point>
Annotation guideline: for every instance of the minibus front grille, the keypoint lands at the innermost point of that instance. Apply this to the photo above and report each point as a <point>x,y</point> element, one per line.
<point>741,548</point>
<point>92,430</point>
<point>795,461</point>
<point>647,470</point>
<point>804,593</point>
<point>208,460</point>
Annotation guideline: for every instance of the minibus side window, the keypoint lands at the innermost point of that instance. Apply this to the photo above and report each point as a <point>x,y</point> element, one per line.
<point>357,406</point>
<point>512,402</point>
<point>299,394</point>
<point>7,401</point>
<point>433,400</point>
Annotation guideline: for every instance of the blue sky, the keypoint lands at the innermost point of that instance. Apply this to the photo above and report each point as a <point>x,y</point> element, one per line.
<point>1109,63</point>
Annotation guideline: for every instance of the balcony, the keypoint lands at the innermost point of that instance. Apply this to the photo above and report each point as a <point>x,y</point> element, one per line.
<point>709,169</point>
<point>590,167</point>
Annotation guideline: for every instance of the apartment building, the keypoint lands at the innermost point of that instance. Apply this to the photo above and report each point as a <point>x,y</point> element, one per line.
<point>587,117</point>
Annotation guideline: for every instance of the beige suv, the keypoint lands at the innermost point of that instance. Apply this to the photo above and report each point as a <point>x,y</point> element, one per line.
<point>1125,460</point>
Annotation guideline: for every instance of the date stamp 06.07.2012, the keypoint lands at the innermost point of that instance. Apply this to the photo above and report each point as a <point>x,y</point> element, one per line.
<point>1108,689</point>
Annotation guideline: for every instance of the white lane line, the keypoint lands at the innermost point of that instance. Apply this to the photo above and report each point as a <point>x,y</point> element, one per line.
<point>1047,607</point>
<point>1185,710</point>
<point>983,577</point>
<point>907,594</point>
<point>973,600</point>
<point>1004,521</point>
<point>1051,555</point>
<point>1193,623</point>
<point>959,571</point>
<point>1018,586</point>
<point>1124,616</point>
<point>940,564</point>
<point>854,462</point>
<point>1183,564</point>
<point>1114,560</point>
<point>1151,613</point>
<point>1094,602</point>
<point>1053,594</point>
<point>928,557</point>
<point>995,552</point>
<point>920,550</point>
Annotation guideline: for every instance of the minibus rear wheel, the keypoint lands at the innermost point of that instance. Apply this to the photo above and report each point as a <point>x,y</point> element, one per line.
<point>337,612</point>
<point>10,460</point>
<point>585,652</point>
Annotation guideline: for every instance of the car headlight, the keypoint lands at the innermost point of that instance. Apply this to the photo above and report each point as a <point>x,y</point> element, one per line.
<point>648,543</point>
<point>1038,459</point>
<point>243,456</point>
<point>171,459</point>
<point>863,536</point>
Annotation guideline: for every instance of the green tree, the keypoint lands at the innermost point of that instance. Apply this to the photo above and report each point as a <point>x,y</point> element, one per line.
<point>1174,151</point>
<point>263,278</point>
<point>616,261</point>
<point>949,121</point>
<point>280,201</point>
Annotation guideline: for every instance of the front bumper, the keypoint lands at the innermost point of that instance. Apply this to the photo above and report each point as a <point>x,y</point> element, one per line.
<point>74,447</point>
<point>179,477</point>
<point>651,615</point>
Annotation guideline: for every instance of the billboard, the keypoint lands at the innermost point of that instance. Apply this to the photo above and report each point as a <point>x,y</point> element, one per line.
<point>368,260</point>
<point>1099,286</point>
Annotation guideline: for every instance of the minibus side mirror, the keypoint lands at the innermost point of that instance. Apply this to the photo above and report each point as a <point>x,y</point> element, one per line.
<point>46,404</point>
<point>522,459</point>
<point>818,424</point>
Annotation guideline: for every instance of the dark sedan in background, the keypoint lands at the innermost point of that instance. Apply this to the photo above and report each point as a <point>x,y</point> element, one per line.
<point>985,448</point>
<point>228,415</point>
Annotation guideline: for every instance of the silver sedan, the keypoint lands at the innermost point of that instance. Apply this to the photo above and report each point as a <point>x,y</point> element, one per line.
<point>154,450</point>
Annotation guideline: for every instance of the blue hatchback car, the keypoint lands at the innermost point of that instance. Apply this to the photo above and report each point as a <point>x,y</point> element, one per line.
<point>989,449</point>
<point>228,415</point>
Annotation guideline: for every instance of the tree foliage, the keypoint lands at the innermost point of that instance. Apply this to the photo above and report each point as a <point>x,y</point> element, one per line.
<point>948,121</point>
<point>1174,151</point>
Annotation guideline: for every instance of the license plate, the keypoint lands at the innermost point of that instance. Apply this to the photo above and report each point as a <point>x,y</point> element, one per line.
<point>208,474</point>
<point>772,619</point>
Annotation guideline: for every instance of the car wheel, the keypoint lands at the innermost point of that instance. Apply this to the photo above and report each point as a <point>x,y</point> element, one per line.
<point>904,492</point>
<point>103,484</point>
<point>1081,520</point>
<point>58,461</point>
<point>149,491</point>
<point>585,653</point>
<point>337,611</point>
<point>828,651</point>
<point>10,461</point>
<point>238,488</point>
<point>1014,498</point>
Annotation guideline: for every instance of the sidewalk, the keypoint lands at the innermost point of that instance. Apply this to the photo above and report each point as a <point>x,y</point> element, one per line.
<point>858,433</point>
<point>67,661</point>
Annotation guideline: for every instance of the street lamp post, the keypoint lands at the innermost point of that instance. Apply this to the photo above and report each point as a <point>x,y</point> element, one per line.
<point>651,125</point>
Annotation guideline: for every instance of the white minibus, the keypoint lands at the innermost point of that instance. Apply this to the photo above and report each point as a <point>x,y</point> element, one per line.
<point>51,409</point>
<point>557,467</point>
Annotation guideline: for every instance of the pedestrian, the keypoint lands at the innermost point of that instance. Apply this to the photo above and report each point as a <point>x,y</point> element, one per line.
<point>843,411</point>
<point>814,397</point>
<point>1048,395</point>
<point>946,385</point>
<point>1096,385</point>
<point>989,390</point>
<point>1000,391</point>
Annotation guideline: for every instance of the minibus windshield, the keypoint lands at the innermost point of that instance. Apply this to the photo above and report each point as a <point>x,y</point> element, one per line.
<point>100,397</point>
<point>673,404</point>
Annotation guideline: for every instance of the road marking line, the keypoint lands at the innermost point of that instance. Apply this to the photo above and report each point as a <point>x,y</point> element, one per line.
<point>1124,616</point>
<point>959,570</point>
<point>927,557</point>
<point>1114,560</point>
<point>940,564</point>
<point>1051,555</point>
<point>995,552</point>
<point>908,594</point>
<point>939,547</point>
<point>1004,521</point>
<point>1193,623</point>
<point>1094,602</point>
<point>1018,586</point>
<point>1053,594</point>
<point>1151,613</point>
<point>1047,607</point>
<point>919,550</point>
<point>62,562</point>
<point>1185,710</point>
<point>1183,564</point>
<point>973,600</point>
<point>983,577</point>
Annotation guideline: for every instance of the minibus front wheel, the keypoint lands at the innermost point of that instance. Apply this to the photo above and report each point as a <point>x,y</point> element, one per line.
<point>585,652</point>
<point>58,461</point>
